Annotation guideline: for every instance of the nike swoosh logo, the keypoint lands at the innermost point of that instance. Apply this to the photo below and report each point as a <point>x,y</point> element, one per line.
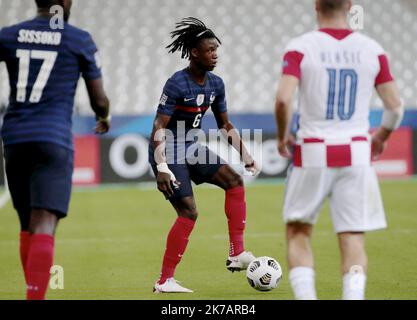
<point>190,99</point>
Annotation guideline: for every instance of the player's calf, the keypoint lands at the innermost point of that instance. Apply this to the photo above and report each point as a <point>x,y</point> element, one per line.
<point>186,208</point>
<point>40,254</point>
<point>235,209</point>
<point>176,244</point>
<point>354,265</point>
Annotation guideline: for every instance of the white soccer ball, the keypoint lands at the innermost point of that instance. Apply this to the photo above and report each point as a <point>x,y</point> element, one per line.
<point>264,273</point>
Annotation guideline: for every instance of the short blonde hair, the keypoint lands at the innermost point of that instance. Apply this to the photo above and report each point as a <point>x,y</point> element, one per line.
<point>328,7</point>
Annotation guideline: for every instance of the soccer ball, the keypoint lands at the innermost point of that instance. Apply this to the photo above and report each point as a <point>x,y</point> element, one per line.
<point>264,273</point>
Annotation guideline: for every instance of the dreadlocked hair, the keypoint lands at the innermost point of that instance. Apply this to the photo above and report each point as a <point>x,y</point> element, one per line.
<point>46,3</point>
<point>188,33</point>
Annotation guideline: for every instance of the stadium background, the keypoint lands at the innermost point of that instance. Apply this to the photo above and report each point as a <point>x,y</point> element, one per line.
<point>131,36</point>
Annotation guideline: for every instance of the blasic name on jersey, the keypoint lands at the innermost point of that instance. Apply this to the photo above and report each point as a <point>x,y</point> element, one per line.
<point>39,37</point>
<point>341,57</point>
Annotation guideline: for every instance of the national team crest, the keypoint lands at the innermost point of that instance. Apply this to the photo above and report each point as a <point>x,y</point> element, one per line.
<point>200,99</point>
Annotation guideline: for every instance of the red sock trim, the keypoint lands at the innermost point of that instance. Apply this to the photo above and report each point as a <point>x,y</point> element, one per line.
<point>187,222</point>
<point>236,190</point>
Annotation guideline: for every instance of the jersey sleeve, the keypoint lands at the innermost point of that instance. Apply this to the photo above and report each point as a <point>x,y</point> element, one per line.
<point>293,56</point>
<point>220,103</point>
<point>90,61</point>
<point>384,75</point>
<point>168,102</point>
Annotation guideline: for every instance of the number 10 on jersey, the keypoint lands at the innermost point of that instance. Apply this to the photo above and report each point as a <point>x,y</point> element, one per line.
<point>345,109</point>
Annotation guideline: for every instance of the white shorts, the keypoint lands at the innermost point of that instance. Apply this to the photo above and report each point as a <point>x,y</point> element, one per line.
<point>355,199</point>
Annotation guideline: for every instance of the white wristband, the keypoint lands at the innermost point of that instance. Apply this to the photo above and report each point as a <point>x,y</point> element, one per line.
<point>163,167</point>
<point>391,119</point>
<point>107,119</point>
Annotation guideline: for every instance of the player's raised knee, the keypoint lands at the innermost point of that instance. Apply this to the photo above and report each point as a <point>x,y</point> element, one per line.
<point>190,214</point>
<point>187,209</point>
<point>230,178</point>
<point>296,228</point>
<point>235,181</point>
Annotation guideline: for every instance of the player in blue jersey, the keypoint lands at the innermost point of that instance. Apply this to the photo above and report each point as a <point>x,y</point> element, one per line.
<point>44,65</point>
<point>186,97</point>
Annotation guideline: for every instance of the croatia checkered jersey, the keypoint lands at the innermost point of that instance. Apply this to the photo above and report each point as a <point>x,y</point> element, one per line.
<point>44,66</point>
<point>186,101</point>
<point>338,70</point>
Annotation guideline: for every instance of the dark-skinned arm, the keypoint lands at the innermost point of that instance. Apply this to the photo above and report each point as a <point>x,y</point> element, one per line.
<point>100,105</point>
<point>165,178</point>
<point>234,139</point>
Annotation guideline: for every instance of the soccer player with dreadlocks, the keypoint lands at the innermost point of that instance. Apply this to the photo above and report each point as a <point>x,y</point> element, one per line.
<point>186,97</point>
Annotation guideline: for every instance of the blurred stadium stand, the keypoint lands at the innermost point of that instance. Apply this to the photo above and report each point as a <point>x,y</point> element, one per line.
<point>132,35</point>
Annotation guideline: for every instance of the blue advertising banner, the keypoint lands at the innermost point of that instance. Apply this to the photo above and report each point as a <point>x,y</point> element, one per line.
<point>143,124</point>
<point>122,155</point>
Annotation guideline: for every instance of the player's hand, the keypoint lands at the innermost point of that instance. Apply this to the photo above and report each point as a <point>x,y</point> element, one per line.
<point>284,146</point>
<point>102,125</point>
<point>377,147</point>
<point>253,168</point>
<point>379,139</point>
<point>166,180</point>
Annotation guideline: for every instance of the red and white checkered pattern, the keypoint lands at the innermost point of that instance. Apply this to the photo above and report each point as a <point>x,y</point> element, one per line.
<point>321,153</point>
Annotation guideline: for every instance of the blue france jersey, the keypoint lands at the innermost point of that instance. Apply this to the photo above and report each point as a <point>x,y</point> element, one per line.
<point>186,101</point>
<point>44,66</point>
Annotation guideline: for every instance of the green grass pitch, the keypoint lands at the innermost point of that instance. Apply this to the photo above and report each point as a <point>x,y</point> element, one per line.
<point>112,243</point>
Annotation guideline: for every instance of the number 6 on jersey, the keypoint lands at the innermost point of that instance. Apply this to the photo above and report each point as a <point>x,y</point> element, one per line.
<point>197,121</point>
